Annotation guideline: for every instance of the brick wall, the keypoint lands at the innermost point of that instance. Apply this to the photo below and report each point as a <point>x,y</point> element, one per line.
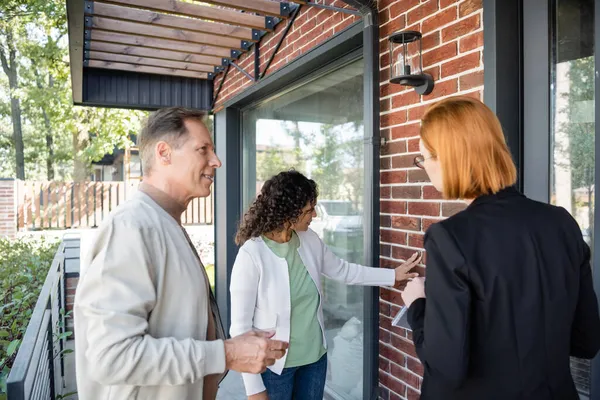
<point>312,27</point>
<point>8,212</point>
<point>452,52</point>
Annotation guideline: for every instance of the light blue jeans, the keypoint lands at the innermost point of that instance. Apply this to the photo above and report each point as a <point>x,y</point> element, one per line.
<point>306,382</point>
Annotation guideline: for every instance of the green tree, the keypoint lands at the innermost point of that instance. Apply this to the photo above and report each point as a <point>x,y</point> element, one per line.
<point>328,164</point>
<point>580,130</point>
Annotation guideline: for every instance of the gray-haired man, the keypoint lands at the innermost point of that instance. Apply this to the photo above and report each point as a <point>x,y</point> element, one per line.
<point>146,322</point>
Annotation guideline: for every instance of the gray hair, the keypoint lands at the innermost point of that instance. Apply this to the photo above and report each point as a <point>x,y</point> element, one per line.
<point>166,124</point>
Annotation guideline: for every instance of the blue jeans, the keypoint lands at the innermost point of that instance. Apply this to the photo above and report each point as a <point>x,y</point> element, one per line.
<point>306,382</point>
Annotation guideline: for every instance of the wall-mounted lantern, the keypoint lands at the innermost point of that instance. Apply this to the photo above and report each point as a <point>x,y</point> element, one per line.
<point>406,62</point>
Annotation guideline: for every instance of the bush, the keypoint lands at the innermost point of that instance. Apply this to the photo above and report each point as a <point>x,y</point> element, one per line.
<point>24,264</point>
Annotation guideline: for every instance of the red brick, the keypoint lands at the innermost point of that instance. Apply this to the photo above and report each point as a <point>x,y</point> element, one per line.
<point>431,193</point>
<point>384,393</point>
<point>401,253</point>
<point>403,161</point>
<point>428,222</point>
<point>393,384</point>
<point>431,41</point>
<point>415,366</point>
<point>391,352</point>
<point>394,147</point>
<point>384,16</point>
<point>406,131</point>
<point>413,145</point>
<point>385,192</point>
<point>471,42</point>
<point>449,209</point>
<point>470,81</point>
<point>393,207</point>
<point>469,7</point>
<point>412,394</point>
<point>461,64</point>
<point>405,376</point>
<point>437,21</point>
<point>424,208</point>
<point>424,10</point>
<point>385,163</point>
<point>384,308</point>
<point>401,6</point>
<point>385,221</point>
<point>384,336</point>
<point>385,250</point>
<point>406,223</point>
<point>393,118</point>
<point>394,25</point>
<point>405,99</point>
<point>396,237</point>
<point>415,240</point>
<point>384,364</point>
<point>393,177</point>
<point>445,88</point>
<point>391,88</point>
<point>404,346</point>
<point>461,28</point>
<point>406,192</point>
<point>385,133</point>
<point>439,54</point>
<point>446,3</point>
<point>417,175</point>
<point>384,105</point>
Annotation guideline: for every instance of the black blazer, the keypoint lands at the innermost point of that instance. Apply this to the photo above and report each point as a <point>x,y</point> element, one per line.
<point>509,299</point>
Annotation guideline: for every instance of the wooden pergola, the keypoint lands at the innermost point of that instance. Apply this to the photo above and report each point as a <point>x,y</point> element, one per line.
<point>170,38</point>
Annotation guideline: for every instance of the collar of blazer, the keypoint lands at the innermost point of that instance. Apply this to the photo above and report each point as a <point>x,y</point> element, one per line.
<point>509,191</point>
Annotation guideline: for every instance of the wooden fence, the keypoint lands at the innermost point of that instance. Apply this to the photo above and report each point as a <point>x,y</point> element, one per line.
<point>64,205</point>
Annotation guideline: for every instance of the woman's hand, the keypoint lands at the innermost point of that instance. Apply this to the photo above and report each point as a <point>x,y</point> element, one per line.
<point>414,290</point>
<point>259,396</point>
<point>403,272</point>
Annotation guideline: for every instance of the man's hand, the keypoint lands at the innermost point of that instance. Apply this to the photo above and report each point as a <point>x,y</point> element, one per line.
<point>253,352</point>
<point>259,396</point>
<point>403,271</point>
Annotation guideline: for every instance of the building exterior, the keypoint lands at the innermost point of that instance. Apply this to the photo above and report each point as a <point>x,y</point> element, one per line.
<point>316,84</point>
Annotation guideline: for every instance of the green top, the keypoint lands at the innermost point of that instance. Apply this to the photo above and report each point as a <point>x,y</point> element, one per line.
<point>306,338</point>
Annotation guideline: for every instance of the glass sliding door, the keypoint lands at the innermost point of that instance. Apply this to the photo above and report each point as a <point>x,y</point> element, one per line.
<point>572,125</point>
<point>317,129</point>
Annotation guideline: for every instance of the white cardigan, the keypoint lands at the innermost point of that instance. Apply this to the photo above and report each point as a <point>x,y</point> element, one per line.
<point>260,289</point>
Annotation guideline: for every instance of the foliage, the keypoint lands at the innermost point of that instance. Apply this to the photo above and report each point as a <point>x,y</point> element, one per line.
<point>579,127</point>
<point>328,172</point>
<point>24,264</point>
<point>54,131</point>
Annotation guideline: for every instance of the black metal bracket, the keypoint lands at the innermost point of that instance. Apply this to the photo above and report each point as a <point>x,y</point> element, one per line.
<point>257,34</point>
<point>281,39</point>
<point>216,96</point>
<point>87,34</point>
<point>235,54</point>
<point>225,61</point>
<point>88,7</point>
<point>256,61</point>
<point>269,22</point>
<point>246,45</point>
<point>333,8</point>
<point>87,45</point>
<point>218,69</point>
<point>86,63</point>
<point>211,75</point>
<point>243,71</point>
<point>285,9</point>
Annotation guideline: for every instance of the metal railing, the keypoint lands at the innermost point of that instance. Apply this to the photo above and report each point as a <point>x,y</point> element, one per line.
<point>38,370</point>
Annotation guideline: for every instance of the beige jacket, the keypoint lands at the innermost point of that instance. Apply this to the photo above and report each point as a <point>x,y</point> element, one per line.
<point>141,311</point>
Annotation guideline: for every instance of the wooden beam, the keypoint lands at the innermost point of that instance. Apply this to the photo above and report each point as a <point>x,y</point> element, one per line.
<point>198,11</point>
<point>265,7</point>
<point>114,25</point>
<point>145,41</point>
<point>156,53</point>
<point>156,18</point>
<point>76,27</point>
<point>153,62</point>
<point>148,70</point>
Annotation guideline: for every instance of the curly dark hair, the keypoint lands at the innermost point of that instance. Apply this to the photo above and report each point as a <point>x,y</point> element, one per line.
<point>280,201</point>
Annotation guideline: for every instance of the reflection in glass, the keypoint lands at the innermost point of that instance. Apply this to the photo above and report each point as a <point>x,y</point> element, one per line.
<point>572,139</point>
<point>317,128</point>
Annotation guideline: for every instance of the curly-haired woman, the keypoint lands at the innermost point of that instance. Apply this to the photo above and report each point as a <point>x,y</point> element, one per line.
<point>276,285</point>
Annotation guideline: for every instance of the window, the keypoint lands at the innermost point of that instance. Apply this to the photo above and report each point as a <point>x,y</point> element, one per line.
<point>317,128</point>
<point>572,155</point>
